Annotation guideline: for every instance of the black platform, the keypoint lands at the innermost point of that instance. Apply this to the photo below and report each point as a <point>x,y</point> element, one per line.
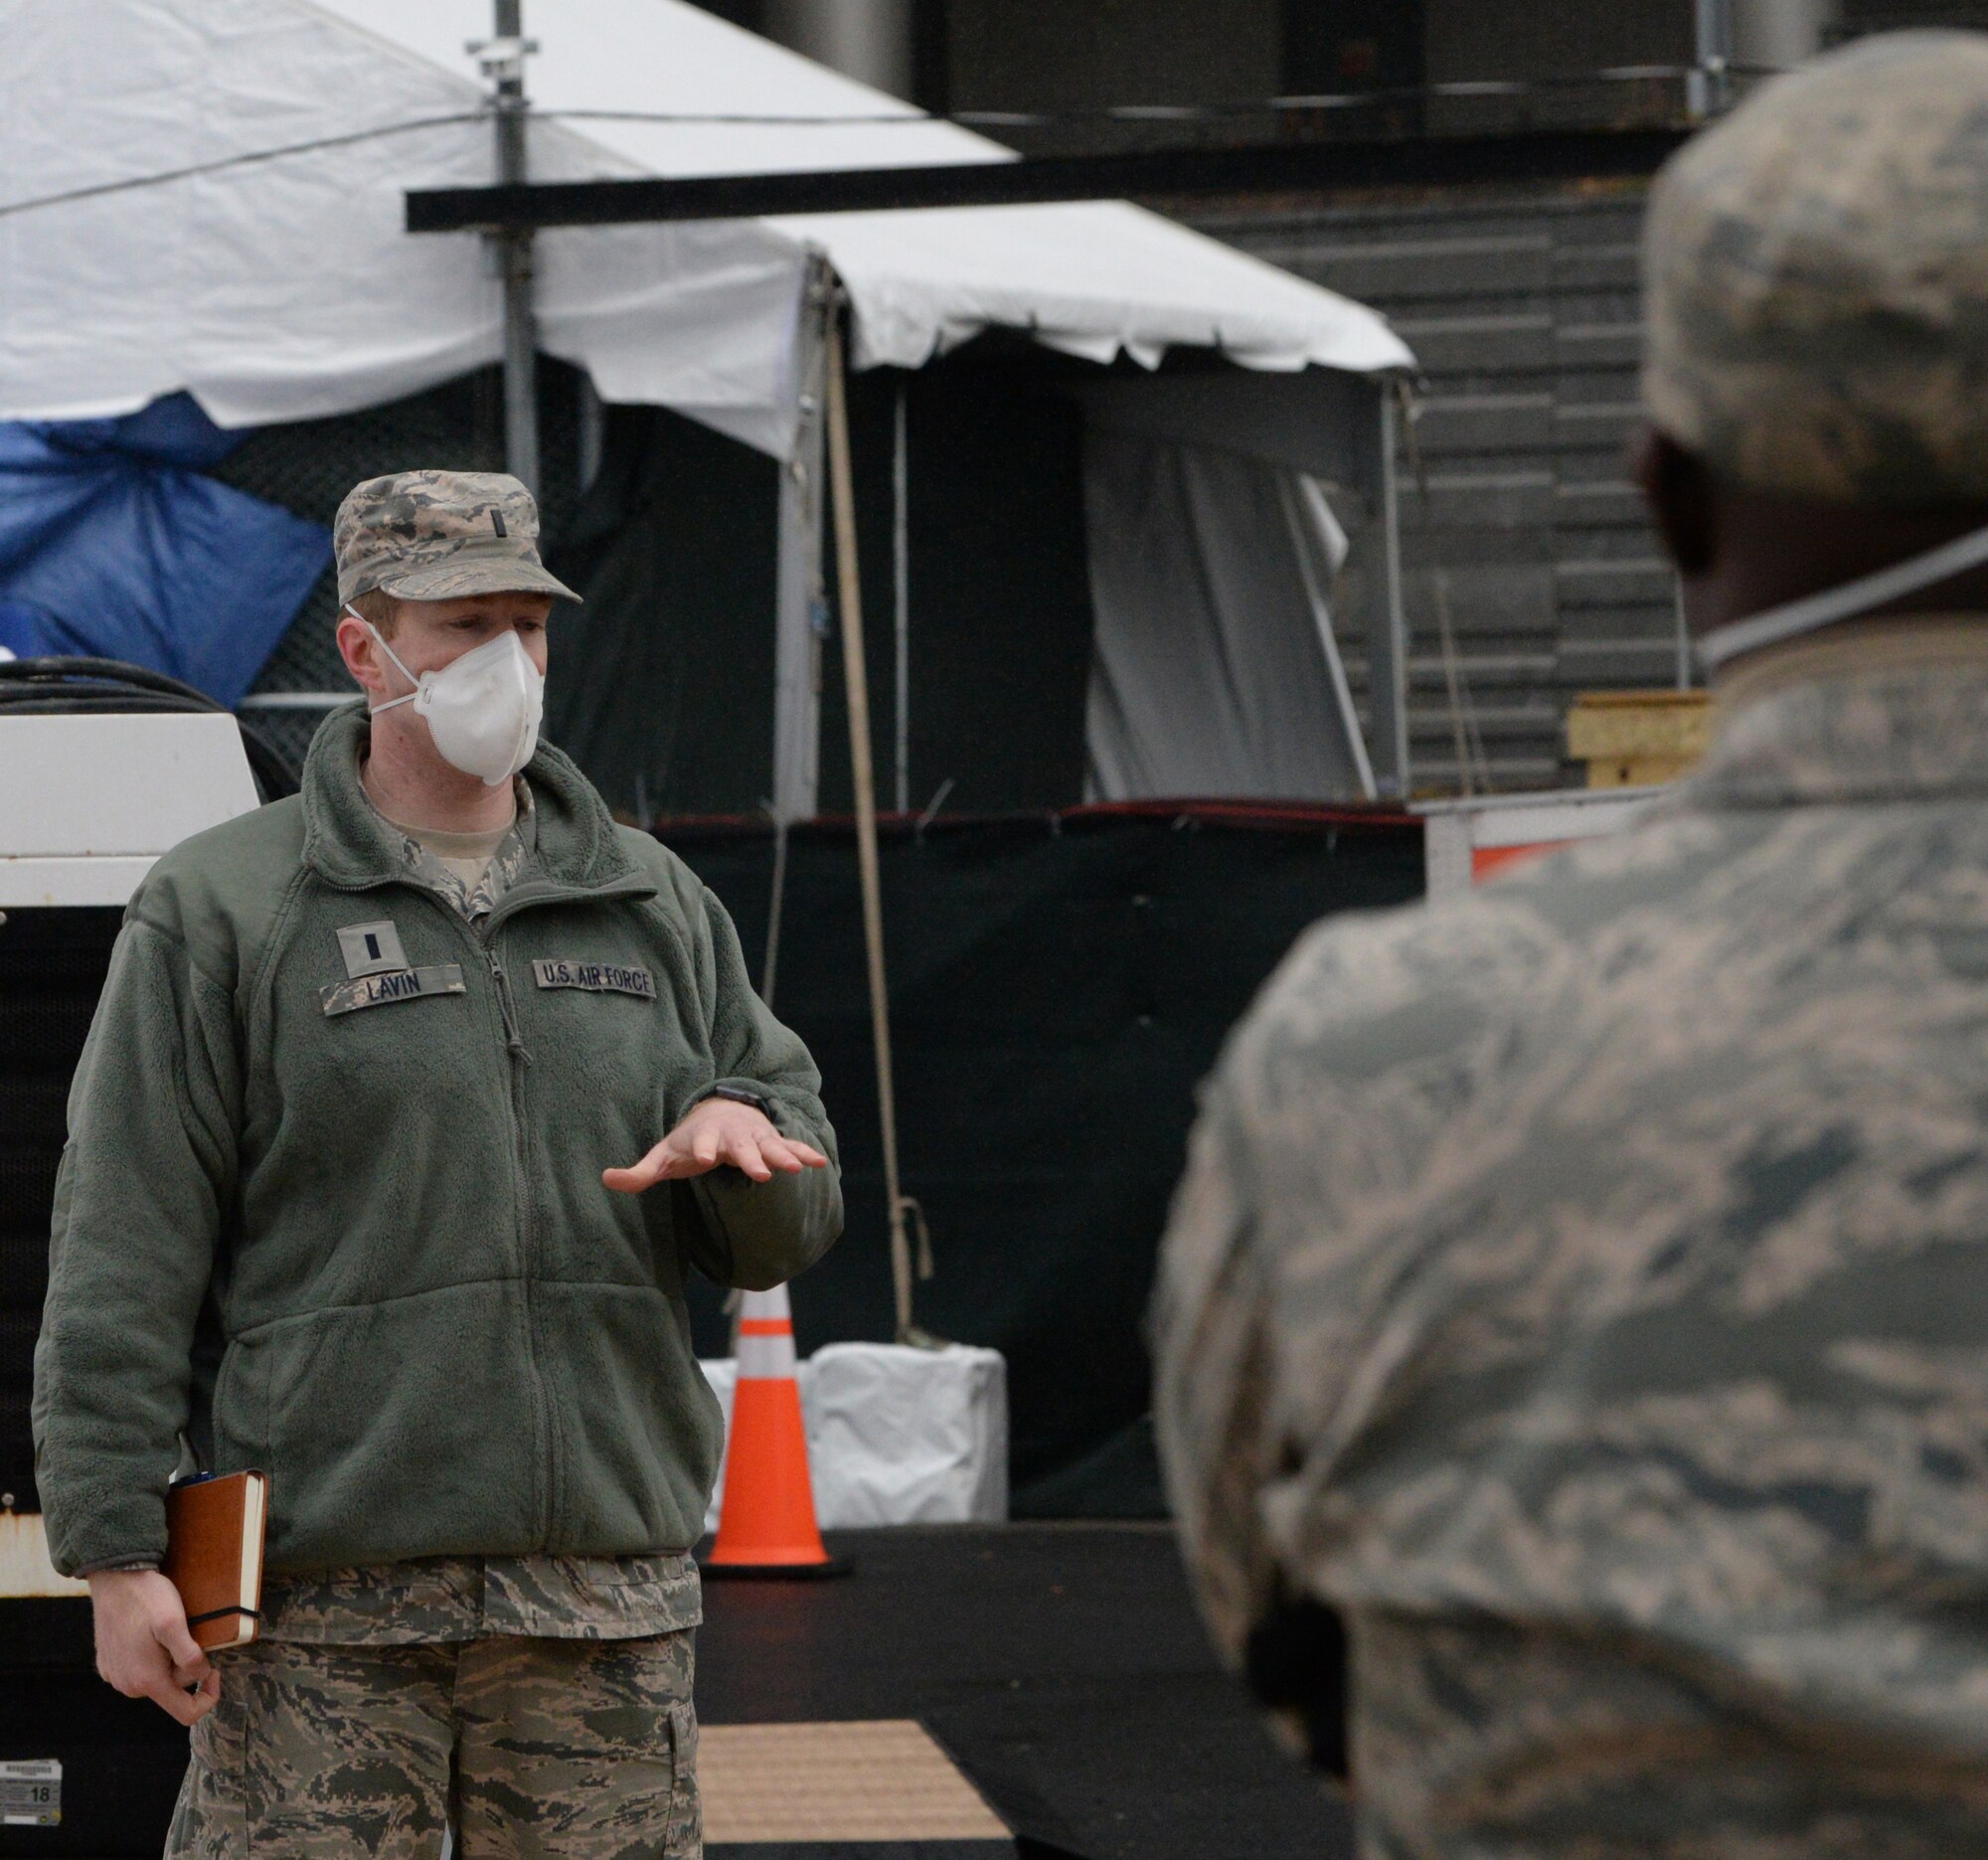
<point>1060,1664</point>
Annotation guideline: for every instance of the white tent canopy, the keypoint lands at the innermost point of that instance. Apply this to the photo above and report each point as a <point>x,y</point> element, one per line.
<point>209,196</point>
<point>276,289</point>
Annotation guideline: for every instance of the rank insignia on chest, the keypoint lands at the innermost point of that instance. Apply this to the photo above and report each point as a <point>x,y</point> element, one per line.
<point>371,948</point>
<point>599,978</point>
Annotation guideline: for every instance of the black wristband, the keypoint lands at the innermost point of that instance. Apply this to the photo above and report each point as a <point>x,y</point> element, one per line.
<point>737,1094</point>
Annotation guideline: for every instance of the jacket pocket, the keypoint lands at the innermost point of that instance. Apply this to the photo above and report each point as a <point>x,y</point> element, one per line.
<point>403,1429</point>
<point>640,1430</point>
<point>240,1410</point>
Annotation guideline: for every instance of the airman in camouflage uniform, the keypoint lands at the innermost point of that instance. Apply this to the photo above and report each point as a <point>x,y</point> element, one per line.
<point>1580,1290</point>
<point>375,1696</point>
<point>485,1348</point>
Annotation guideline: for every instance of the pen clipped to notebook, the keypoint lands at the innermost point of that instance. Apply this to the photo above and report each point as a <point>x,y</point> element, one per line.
<point>214,1554</point>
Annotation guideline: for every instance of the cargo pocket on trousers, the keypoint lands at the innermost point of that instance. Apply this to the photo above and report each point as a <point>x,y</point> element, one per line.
<point>212,1813</point>
<point>683,1833</point>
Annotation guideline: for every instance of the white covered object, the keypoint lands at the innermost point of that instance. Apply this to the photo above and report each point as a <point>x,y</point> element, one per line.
<point>1461,838</point>
<point>897,1436</point>
<point>25,1568</point>
<point>285,288</point>
<point>93,802</point>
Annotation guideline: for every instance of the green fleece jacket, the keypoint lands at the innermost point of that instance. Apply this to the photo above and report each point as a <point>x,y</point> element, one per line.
<point>332,1204</point>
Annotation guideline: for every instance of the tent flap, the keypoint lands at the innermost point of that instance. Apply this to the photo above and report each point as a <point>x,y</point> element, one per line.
<point>1211,673</point>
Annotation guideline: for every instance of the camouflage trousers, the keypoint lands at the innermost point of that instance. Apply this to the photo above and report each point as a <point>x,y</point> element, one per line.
<point>581,1749</point>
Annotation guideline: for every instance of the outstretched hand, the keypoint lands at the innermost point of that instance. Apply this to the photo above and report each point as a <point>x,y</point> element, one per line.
<point>719,1131</point>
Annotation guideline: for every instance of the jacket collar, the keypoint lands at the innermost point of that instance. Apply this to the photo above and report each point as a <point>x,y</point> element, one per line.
<point>1874,711</point>
<point>349,845</point>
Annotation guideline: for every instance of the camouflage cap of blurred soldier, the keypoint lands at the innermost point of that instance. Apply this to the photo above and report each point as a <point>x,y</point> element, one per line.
<point>1816,281</point>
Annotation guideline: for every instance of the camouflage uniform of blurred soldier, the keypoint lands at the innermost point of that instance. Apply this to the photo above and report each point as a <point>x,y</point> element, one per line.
<point>1580,1292</point>
<point>334,1205</point>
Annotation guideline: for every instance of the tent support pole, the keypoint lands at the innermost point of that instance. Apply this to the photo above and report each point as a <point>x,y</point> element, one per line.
<point>900,539</point>
<point>861,768</point>
<point>521,369</point>
<point>1386,629</point>
<point>1297,491</point>
<point>800,602</point>
<point>505,60</point>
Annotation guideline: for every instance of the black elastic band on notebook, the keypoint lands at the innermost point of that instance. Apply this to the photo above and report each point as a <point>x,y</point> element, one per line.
<point>215,1615</point>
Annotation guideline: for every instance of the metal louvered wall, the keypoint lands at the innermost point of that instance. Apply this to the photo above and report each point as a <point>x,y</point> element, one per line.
<point>1523,309</point>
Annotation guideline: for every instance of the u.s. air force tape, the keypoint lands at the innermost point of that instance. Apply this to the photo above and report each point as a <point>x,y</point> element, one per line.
<point>401,984</point>
<point>600,977</point>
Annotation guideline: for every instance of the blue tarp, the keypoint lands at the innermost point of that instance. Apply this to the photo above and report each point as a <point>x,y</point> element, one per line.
<point>113,544</point>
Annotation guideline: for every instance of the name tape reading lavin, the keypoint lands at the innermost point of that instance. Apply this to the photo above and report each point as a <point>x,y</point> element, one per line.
<point>31,1794</point>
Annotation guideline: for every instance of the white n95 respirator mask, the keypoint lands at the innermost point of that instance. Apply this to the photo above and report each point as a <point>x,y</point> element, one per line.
<point>483,708</point>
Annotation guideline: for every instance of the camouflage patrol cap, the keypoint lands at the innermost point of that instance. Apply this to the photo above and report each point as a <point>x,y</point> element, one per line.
<point>440,535</point>
<point>1816,280</point>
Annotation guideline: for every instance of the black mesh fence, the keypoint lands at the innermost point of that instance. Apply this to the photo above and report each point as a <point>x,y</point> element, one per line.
<point>1059,985</point>
<point>308,465</point>
<point>51,967</point>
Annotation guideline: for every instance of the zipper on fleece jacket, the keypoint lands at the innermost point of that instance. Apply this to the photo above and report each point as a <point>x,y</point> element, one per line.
<point>523,898</point>
<point>521,1059</point>
<point>507,1003</point>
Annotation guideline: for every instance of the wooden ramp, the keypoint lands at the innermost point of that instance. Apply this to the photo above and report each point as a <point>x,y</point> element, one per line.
<point>845,1787</point>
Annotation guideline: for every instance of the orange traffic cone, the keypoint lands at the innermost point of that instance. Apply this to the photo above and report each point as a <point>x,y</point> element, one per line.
<point>766,1525</point>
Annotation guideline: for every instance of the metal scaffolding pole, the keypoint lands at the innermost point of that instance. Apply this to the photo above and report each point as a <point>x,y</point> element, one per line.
<point>900,563</point>
<point>800,601</point>
<point>1330,168</point>
<point>1781,34</point>
<point>1387,629</point>
<point>1709,88</point>
<point>503,60</point>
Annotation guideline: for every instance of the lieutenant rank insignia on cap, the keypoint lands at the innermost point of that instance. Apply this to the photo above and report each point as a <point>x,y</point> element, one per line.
<point>600,977</point>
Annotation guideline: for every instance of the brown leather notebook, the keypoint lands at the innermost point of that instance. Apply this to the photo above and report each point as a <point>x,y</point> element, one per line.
<point>214,1554</point>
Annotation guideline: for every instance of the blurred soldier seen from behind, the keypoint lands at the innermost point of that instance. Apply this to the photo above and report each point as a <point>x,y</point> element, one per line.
<point>1579,1295</point>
